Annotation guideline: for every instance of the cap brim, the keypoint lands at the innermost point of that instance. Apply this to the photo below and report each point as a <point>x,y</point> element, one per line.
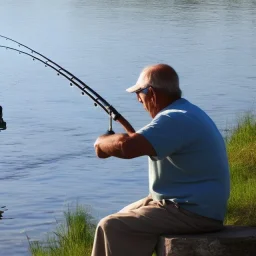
<point>133,88</point>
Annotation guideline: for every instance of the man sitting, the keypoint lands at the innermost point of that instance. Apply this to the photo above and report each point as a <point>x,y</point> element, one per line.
<point>188,170</point>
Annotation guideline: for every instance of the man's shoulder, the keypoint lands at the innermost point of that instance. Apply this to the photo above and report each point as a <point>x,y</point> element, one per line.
<point>182,108</point>
<point>185,115</point>
<point>175,110</point>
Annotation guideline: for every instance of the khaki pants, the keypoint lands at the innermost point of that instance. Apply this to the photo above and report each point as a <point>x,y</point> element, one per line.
<point>134,231</point>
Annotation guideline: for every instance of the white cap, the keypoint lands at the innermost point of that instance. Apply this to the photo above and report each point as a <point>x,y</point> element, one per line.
<point>141,83</point>
<point>158,76</point>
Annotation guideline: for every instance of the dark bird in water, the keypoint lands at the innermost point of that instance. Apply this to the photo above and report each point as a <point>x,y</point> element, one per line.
<point>2,209</point>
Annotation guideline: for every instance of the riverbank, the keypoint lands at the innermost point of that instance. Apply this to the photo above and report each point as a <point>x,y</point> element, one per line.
<point>74,237</point>
<point>241,147</point>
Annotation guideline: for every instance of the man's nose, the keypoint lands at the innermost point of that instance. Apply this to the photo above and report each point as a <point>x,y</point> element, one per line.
<point>138,98</point>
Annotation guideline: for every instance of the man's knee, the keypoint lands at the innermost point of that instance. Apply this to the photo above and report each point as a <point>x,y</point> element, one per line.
<point>108,223</point>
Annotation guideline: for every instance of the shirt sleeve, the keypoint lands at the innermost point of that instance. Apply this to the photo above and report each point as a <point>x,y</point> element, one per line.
<point>168,134</point>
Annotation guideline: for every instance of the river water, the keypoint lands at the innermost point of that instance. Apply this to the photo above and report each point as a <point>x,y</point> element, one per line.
<point>47,160</point>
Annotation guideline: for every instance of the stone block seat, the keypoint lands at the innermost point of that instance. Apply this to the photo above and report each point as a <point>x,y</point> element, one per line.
<point>231,241</point>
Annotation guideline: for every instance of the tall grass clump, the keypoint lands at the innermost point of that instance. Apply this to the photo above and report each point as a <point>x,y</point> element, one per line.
<point>241,148</point>
<point>73,237</point>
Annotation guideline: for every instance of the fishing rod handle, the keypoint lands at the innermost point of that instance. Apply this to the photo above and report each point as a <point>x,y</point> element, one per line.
<point>126,125</point>
<point>114,113</point>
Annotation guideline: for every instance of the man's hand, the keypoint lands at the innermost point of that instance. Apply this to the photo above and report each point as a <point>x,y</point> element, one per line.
<point>98,151</point>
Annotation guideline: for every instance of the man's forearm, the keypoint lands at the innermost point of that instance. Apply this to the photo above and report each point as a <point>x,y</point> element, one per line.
<point>110,145</point>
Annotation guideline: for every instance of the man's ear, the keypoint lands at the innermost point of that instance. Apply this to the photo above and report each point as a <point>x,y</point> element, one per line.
<point>152,91</point>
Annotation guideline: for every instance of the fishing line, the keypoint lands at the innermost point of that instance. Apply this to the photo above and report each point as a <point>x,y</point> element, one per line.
<point>74,80</point>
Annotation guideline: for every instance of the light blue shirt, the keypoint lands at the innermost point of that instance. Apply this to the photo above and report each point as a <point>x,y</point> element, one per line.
<point>191,167</point>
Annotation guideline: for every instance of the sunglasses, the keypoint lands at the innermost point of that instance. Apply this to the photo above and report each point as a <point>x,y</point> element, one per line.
<point>144,90</point>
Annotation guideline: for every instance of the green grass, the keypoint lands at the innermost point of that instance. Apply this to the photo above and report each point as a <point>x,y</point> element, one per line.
<point>74,237</point>
<point>241,147</point>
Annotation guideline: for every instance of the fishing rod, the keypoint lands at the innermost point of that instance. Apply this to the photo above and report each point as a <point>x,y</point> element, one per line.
<point>98,100</point>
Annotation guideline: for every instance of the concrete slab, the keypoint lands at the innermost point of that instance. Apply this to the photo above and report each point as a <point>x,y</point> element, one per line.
<point>232,241</point>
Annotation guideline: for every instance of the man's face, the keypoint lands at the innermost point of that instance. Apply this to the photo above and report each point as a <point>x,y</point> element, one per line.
<point>146,97</point>
<point>141,95</point>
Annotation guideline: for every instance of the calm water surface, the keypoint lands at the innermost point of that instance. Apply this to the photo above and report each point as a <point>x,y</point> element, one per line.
<point>47,158</point>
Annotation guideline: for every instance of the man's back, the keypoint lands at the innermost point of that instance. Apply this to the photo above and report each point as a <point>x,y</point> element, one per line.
<point>191,167</point>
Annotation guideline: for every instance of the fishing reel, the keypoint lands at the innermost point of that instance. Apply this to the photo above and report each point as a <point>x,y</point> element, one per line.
<point>113,115</point>
<point>2,122</point>
<point>110,127</point>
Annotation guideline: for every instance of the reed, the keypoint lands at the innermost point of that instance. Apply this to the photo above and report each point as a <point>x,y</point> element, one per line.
<point>241,148</point>
<point>73,237</point>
